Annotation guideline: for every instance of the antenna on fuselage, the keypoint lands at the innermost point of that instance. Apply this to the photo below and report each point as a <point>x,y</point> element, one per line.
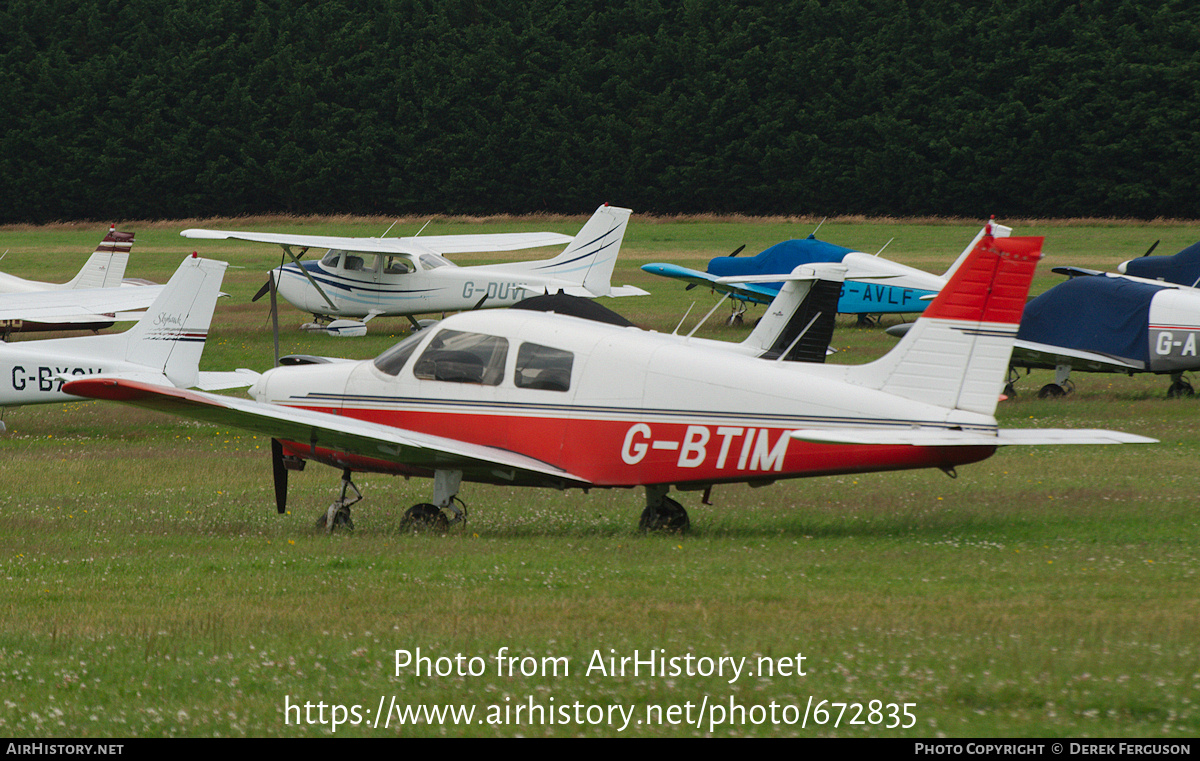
<point>681,319</point>
<point>710,312</point>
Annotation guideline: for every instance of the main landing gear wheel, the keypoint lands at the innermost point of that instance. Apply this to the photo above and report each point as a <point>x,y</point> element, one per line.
<point>1051,391</point>
<point>668,515</point>
<point>1056,390</point>
<point>1180,389</point>
<point>424,516</point>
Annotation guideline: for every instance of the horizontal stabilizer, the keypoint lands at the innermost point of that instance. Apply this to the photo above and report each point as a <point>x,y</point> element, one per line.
<point>221,381</point>
<point>1076,272</point>
<point>948,437</point>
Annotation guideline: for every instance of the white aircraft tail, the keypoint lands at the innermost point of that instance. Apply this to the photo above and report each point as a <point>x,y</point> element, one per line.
<point>956,354</point>
<point>798,324</point>
<point>170,337</point>
<point>588,260</point>
<point>105,268</point>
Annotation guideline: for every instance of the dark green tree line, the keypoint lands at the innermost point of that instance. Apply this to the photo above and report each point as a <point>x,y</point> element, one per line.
<point>161,108</point>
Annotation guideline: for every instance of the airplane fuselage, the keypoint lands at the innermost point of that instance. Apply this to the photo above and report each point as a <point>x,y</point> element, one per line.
<point>359,293</point>
<point>614,406</point>
<point>33,372</point>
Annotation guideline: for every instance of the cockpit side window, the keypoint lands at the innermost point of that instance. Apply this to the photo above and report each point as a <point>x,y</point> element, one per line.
<point>433,261</point>
<point>397,265</point>
<point>544,368</point>
<point>392,361</point>
<point>458,357</point>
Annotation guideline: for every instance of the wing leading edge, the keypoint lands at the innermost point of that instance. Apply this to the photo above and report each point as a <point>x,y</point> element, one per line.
<point>320,430</point>
<point>442,244</point>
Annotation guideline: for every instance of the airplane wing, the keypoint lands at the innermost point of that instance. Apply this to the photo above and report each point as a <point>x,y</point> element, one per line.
<point>84,304</point>
<point>944,437</point>
<point>744,291</point>
<point>1033,354</point>
<point>442,244</point>
<point>420,450</point>
<point>1076,271</point>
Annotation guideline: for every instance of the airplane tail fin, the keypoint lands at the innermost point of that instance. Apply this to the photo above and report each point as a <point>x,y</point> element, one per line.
<point>798,324</point>
<point>170,337</point>
<point>105,268</point>
<point>956,354</point>
<point>589,259</point>
<point>997,231</point>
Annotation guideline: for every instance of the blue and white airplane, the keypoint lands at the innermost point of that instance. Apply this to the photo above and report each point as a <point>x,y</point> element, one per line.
<point>1182,268</point>
<point>362,278</point>
<point>873,285</point>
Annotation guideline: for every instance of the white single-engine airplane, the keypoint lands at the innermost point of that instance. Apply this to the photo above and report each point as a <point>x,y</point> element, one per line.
<point>363,278</point>
<point>164,347</point>
<point>533,399</point>
<point>105,268</point>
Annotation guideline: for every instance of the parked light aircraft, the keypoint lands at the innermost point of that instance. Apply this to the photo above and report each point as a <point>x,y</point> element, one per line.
<point>105,268</point>
<point>873,285</point>
<point>1109,323</point>
<point>1182,268</point>
<point>533,399</point>
<point>163,347</point>
<point>365,277</point>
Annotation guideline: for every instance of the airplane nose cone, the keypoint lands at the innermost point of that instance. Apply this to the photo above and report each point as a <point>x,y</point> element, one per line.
<point>292,285</point>
<point>1121,267</point>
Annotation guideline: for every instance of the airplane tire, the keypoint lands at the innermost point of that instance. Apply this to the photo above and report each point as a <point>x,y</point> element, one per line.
<point>341,519</point>
<point>669,516</point>
<point>1180,390</point>
<point>1051,391</point>
<point>424,516</point>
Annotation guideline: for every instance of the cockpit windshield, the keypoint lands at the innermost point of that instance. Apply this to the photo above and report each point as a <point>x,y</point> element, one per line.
<point>332,257</point>
<point>392,361</point>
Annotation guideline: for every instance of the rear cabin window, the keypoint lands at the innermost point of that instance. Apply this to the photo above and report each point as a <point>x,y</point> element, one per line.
<point>544,368</point>
<point>458,357</point>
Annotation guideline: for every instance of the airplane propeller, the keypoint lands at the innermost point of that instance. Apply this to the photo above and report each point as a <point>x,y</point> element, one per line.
<point>1154,246</point>
<point>280,473</point>
<point>736,251</point>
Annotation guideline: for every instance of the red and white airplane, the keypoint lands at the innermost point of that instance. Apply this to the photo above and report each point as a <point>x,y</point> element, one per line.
<point>539,399</point>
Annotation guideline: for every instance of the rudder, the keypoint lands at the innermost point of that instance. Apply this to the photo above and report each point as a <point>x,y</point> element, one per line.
<point>956,354</point>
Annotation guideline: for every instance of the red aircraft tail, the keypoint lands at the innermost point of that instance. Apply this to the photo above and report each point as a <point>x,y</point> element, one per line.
<point>956,355</point>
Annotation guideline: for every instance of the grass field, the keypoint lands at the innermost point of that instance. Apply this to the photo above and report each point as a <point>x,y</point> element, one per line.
<point>151,590</point>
